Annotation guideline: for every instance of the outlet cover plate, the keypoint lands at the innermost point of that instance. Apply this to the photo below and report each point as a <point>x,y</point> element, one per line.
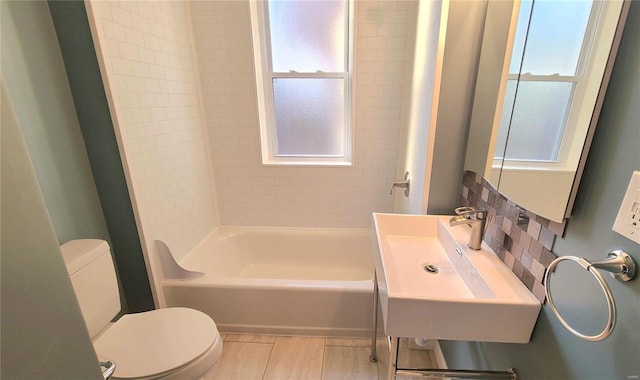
<point>627,222</point>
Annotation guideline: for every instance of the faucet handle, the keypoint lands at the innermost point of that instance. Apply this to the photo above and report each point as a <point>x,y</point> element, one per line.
<point>465,209</point>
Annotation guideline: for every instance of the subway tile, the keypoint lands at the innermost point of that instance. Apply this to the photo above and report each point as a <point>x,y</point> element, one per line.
<point>547,237</point>
<point>535,249</point>
<point>533,229</point>
<point>526,259</point>
<point>506,225</point>
<point>518,269</point>
<point>539,291</point>
<point>146,55</point>
<point>121,16</point>
<point>546,257</point>
<point>141,69</point>
<point>524,242</point>
<point>151,147</point>
<point>515,230</point>
<point>509,260</point>
<point>537,270</point>
<point>528,279</point>
<point>140,23</point>
<point>113,30</point>
<point>133,36</point>
<point>121,66</point>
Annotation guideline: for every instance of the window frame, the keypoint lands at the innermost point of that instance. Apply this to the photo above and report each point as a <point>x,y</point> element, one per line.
<point>265,91</point>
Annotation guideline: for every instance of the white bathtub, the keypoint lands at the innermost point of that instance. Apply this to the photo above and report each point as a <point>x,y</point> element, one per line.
<point>281,281</point>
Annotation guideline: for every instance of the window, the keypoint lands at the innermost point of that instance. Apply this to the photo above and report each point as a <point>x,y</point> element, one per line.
<point>547,79</point>
<point>302,52</point>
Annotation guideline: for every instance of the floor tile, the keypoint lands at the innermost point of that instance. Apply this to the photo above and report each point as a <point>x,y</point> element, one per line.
<point>382,347</point>
<point>415,358</point>
<point>296,358</point>
<point>250,338</point>
<point>348,363</point>
<point>242,361</point>
<point>348,342</point>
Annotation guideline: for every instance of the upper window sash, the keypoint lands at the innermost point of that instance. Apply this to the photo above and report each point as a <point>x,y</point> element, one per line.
<point>288,45</point>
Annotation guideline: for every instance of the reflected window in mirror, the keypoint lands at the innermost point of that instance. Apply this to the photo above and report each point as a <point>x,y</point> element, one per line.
<point>542,76</point>
<point>544,93</point>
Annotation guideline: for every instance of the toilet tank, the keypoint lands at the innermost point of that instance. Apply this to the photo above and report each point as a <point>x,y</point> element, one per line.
<point>94,281</point>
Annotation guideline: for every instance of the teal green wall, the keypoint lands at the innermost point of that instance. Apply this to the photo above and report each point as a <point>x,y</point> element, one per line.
<point>81,64</point>
<point>553,352</point>
<point>35,77</point>
<point>51,72</point>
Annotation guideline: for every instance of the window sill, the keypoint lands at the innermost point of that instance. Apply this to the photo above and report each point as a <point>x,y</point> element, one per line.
<point>308,163</point>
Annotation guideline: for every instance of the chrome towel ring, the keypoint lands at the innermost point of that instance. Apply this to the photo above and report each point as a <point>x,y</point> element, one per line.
<point>621,266</point>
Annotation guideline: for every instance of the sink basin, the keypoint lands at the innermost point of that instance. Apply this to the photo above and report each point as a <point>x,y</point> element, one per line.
<point>431,285</point>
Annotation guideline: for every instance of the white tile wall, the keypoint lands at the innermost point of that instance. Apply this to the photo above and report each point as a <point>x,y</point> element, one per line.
<point>147,48</point>
<point>252,194</point>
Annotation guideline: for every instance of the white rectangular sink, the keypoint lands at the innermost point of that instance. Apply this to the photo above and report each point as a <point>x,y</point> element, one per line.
<point>431,285</point>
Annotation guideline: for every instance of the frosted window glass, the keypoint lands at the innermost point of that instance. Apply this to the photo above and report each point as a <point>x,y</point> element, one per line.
<point>309,115</point>
<point>538,122</point>
<point>555,37</point>
<point>307,36</point>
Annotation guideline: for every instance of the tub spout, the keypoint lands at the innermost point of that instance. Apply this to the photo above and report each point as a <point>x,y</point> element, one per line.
<point>476,219</point>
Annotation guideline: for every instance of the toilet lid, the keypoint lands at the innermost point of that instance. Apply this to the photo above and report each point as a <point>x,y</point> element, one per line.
<point>153,342</point>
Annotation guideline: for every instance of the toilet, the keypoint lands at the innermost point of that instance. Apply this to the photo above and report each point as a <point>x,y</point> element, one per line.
<point>171,343</point>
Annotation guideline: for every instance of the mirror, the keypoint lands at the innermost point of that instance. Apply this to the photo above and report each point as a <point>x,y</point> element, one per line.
<point>542,73</point>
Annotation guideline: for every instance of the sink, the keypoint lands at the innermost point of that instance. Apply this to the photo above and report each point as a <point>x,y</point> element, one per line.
<point>431,285</point>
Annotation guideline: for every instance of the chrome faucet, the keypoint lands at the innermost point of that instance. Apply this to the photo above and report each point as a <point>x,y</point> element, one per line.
<point>476,219</point>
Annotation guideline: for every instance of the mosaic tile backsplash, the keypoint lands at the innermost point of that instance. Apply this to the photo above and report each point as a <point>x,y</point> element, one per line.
<point>522,239</point>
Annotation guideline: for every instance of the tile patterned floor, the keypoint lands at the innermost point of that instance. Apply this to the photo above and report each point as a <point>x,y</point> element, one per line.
<point>256,357</point>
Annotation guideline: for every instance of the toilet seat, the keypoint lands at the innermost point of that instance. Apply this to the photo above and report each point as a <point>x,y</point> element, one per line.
<point>157,342</point>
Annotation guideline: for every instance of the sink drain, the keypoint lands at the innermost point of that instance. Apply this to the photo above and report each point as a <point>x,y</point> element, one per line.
<point>430,268</point>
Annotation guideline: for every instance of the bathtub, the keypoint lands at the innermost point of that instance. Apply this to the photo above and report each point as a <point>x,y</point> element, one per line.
<point>279,280</point>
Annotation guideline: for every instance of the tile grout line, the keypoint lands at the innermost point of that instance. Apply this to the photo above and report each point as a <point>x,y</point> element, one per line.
<point>264,371</point>
<point>324,349</point>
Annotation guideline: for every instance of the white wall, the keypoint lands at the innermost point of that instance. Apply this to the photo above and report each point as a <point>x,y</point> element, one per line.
<point>146,55</point>
<point>252,194</point>
<point>465,24</point>
<point>426,72</point>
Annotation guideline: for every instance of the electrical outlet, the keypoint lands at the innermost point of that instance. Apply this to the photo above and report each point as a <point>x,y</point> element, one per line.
<point>627,222</point>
